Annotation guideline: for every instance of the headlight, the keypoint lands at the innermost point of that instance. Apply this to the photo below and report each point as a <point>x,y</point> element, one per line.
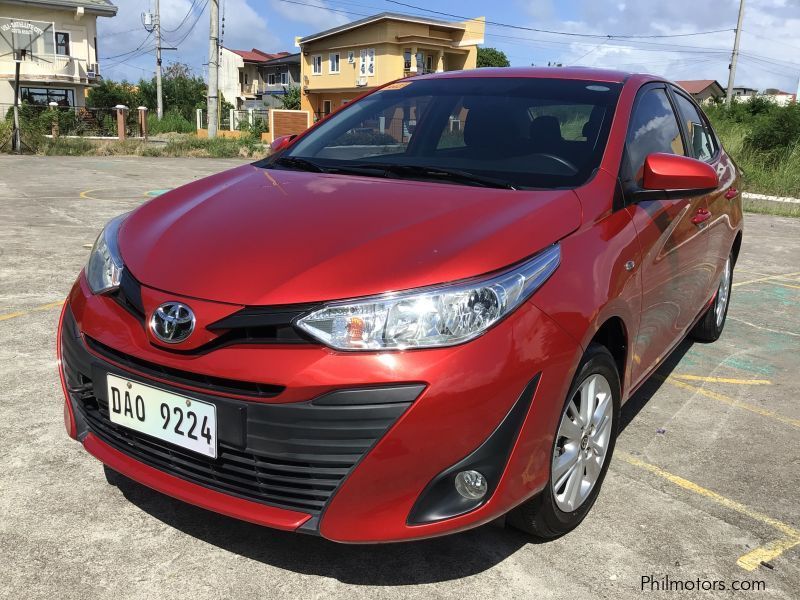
<point>104,268</point>
<point>430,317</point>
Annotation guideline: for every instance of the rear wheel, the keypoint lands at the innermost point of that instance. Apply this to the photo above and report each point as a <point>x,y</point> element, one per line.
<point>710,326</point>
<point>584,442</point>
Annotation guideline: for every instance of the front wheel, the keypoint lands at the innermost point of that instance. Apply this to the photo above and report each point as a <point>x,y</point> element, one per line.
<point>584,442</point>
<point>710,326</point>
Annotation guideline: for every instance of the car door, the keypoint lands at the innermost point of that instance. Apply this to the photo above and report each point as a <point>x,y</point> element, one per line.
<point>671,234</point>
<point>702,145</point>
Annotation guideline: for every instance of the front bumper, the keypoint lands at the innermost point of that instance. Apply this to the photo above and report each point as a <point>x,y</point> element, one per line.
<point>350,441</point>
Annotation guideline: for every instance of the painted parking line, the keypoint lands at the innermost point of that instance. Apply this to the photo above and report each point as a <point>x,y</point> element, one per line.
<point>723,380</point>
<point>770,329</point>
<point>733,402</point>
<point>750,561</point>
<point>22,313</point>
<point>788,285</point>
<point>767,278</point>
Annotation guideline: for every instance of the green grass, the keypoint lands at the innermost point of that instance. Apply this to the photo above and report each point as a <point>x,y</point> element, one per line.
<point>177,146</point>
<point>777,173</point>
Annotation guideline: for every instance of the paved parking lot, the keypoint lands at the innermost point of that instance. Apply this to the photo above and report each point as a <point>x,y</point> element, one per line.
<point>703,486</point>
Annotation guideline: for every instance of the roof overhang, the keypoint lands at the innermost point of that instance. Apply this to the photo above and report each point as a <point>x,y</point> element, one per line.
<point>447,25</point>
<point>103,10</point>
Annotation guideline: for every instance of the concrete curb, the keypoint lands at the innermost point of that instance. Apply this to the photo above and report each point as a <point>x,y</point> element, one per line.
<point>751,196</point>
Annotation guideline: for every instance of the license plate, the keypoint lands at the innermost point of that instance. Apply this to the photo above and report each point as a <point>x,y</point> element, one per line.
<point>179,420</point>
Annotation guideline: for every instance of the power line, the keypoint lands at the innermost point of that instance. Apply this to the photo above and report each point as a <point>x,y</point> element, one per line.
<point>185,18</point>
<point>194,24</point>
<point>554,32</point>
<point>139,47</point>
<point>335,10</point>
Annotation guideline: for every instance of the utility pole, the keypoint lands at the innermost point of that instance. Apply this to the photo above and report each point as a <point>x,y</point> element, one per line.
<point>734,55</point>
<point>159,92</point>
<point>213,69</point>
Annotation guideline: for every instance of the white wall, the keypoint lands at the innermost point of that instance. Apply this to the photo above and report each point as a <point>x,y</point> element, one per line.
<point>82,32</point>
<point>229,66</point>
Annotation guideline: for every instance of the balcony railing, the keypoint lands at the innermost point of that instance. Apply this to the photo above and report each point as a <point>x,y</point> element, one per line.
<point>59,68</point>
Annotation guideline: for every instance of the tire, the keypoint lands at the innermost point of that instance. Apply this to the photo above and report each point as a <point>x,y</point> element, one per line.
<point>710,326</point>
<point>550,514</point>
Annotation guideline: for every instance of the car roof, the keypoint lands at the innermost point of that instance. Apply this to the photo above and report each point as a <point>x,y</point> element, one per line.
<point>588,73</point>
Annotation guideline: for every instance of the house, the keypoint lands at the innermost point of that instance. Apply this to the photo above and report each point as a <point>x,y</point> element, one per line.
<point>250,78</point>
<point>744,92</point>
<point>780,97</point>
<point>703,90</point>
<point>340,63</point>
<point>279,76</point>
<point>57,43</point>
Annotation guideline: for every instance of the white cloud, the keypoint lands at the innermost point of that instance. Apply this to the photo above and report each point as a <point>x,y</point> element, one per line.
<point>244,28</point>
<point>770,47</point>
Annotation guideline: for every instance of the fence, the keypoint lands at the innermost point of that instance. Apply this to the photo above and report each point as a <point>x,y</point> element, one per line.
<point>79,121</point>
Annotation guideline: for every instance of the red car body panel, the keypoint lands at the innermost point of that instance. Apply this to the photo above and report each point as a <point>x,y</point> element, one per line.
<point>294,237</point>
<point>369,236</point>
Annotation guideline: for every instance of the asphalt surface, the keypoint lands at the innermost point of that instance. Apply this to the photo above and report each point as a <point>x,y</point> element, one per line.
<point>703,486</point>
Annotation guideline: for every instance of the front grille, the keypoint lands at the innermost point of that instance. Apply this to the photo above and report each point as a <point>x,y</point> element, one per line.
<point>250,325</point>
<point>206,382</point>
<point>292,455</point>
<point>302,486</point>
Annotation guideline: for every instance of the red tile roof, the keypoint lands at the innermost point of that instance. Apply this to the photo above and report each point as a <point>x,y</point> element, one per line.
<point>256,55</point>
<point>695,86</point>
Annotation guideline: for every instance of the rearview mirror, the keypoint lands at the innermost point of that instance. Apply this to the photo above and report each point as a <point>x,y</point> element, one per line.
<point>678,175</point>
<point>279,143</point>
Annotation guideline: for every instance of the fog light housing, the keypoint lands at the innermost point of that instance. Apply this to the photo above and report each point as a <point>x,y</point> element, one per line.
<point>471,485</point>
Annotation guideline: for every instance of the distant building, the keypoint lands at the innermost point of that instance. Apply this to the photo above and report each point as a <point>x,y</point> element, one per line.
<point>251,78</point>
<point>60,62</point>
<point>703,90</point>
<point>340,63</point>
<point>744,92</point>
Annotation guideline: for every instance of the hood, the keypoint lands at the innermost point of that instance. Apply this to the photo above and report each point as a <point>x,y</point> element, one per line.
<point>258,236</point>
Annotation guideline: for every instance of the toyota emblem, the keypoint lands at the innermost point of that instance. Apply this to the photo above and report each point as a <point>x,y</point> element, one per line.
<point>172,322</point>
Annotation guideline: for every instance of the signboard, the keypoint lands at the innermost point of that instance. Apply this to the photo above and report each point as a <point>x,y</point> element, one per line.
<point>33,38</point>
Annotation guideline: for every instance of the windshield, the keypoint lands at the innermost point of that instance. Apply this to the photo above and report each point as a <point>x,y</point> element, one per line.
<point>511,132</point>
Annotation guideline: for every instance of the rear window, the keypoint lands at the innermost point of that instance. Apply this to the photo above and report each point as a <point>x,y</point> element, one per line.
<point>539,133</point>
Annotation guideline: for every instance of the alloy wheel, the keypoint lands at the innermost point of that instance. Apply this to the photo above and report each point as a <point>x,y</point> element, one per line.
<point>582,443</point>
<point>723,294</point>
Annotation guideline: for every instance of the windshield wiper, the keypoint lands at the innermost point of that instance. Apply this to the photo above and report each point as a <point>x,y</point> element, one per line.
<point>414,171</point>
<point>302,164</point>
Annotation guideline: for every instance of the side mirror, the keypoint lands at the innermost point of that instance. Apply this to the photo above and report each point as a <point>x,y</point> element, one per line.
<point>678,175</point>
<point>279,143</point>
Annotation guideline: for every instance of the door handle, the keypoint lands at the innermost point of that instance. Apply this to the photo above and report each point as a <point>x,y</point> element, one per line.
<point>731,193</point>
<point>701,216</point>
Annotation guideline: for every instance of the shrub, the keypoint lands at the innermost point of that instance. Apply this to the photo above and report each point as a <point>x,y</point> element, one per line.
<point>775,131</point>
<point>172,122</point>
<point>365,138</point>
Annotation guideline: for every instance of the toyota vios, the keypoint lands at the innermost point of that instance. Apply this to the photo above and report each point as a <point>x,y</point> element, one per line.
<point>421,314</point>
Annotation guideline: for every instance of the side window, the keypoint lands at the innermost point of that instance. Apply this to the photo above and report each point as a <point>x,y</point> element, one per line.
<point>699,138</point>
<point>653,128</point>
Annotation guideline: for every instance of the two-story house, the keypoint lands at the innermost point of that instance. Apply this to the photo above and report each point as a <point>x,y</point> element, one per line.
<point>56,44</point>
<point>250,78</point>
<point>340,63</point>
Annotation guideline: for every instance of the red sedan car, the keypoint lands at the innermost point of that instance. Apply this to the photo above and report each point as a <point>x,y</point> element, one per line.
<point>421,314</point>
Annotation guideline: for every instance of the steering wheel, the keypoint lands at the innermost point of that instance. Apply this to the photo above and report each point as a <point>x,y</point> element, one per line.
<point>558,159</point>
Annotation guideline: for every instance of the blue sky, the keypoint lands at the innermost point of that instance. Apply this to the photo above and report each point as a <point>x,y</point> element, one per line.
<point>770,45</point>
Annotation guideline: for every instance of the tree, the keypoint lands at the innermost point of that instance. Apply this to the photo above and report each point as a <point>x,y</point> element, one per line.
<point>182,94</point>
<point>291,99</point>
<point>492,57</point>
<point>110,93</point>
